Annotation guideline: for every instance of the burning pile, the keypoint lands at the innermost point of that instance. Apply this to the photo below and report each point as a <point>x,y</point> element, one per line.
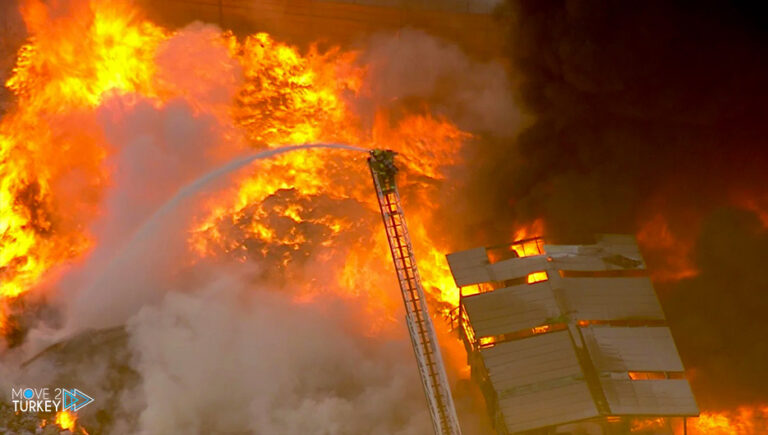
<point>113,114</point>
<point>54,151</point>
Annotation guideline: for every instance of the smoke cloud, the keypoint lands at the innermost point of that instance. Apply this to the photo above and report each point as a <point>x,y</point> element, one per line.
<point>718,316</point>
<point>643,111</point>
<point>222,352</point>
<point>155,152</point>
<point>231,359</point>
<point>414,67</point>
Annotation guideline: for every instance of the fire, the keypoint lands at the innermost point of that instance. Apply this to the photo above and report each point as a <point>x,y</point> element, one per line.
<point>648,424</point>
<point>311,107</point>
<point>755,204</point>
<point>66,420</point>
<point>51,174</point>
<point>487,342</point>
<point>745,420</point>
<point>537,277</point>
<point>291,98</point>
<point>656,239</point>
<point>530,244</point>
<point>53,154</point>
<point>534,229</point>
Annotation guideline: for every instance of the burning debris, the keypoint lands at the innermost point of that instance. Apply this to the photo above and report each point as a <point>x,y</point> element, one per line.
<point>569,335</point>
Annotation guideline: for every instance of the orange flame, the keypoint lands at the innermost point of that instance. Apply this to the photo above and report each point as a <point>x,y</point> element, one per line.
<point>50,150</point>
<point>530,247</point>
<point>534,229</point>
<point>537,277</point>
<point>312,108</point>
<point>66,420</point>
<point>745,420</point>
<point>655,237</point>
<point>642,425</point>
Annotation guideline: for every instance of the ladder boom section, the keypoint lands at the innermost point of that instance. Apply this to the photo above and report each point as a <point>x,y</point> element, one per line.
<point>420,327</point>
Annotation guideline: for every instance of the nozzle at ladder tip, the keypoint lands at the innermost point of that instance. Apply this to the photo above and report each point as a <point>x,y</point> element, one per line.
<point>382,155</point>
<point>382,162</point>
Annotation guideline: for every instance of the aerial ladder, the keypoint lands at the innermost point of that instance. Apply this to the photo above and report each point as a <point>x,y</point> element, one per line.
<point>423,338</point>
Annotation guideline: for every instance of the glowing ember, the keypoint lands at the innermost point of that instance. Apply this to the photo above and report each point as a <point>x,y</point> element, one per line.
<point>638,376</point>
<point>648,424</point>
<point>66,420</point>
<point>486,342</point>
<point>537,277</point>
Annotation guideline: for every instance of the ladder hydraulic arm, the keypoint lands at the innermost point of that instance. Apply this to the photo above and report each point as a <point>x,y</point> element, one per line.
<point>423,338</point>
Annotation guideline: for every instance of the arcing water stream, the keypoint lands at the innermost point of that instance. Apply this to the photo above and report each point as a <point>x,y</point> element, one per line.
<point>126,277</point>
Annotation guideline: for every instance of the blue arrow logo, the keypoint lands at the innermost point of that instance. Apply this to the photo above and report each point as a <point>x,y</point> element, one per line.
<point>75,399</point>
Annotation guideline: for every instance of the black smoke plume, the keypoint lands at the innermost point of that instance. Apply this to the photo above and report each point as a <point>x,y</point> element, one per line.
<point>641,109</point>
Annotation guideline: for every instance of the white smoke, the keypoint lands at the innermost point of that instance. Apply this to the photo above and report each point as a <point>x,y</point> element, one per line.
<point>155,152</point>
<point>477,96</point>
<point>230,358</point>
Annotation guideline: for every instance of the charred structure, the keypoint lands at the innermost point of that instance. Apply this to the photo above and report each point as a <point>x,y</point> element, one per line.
<point>557,334</point>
